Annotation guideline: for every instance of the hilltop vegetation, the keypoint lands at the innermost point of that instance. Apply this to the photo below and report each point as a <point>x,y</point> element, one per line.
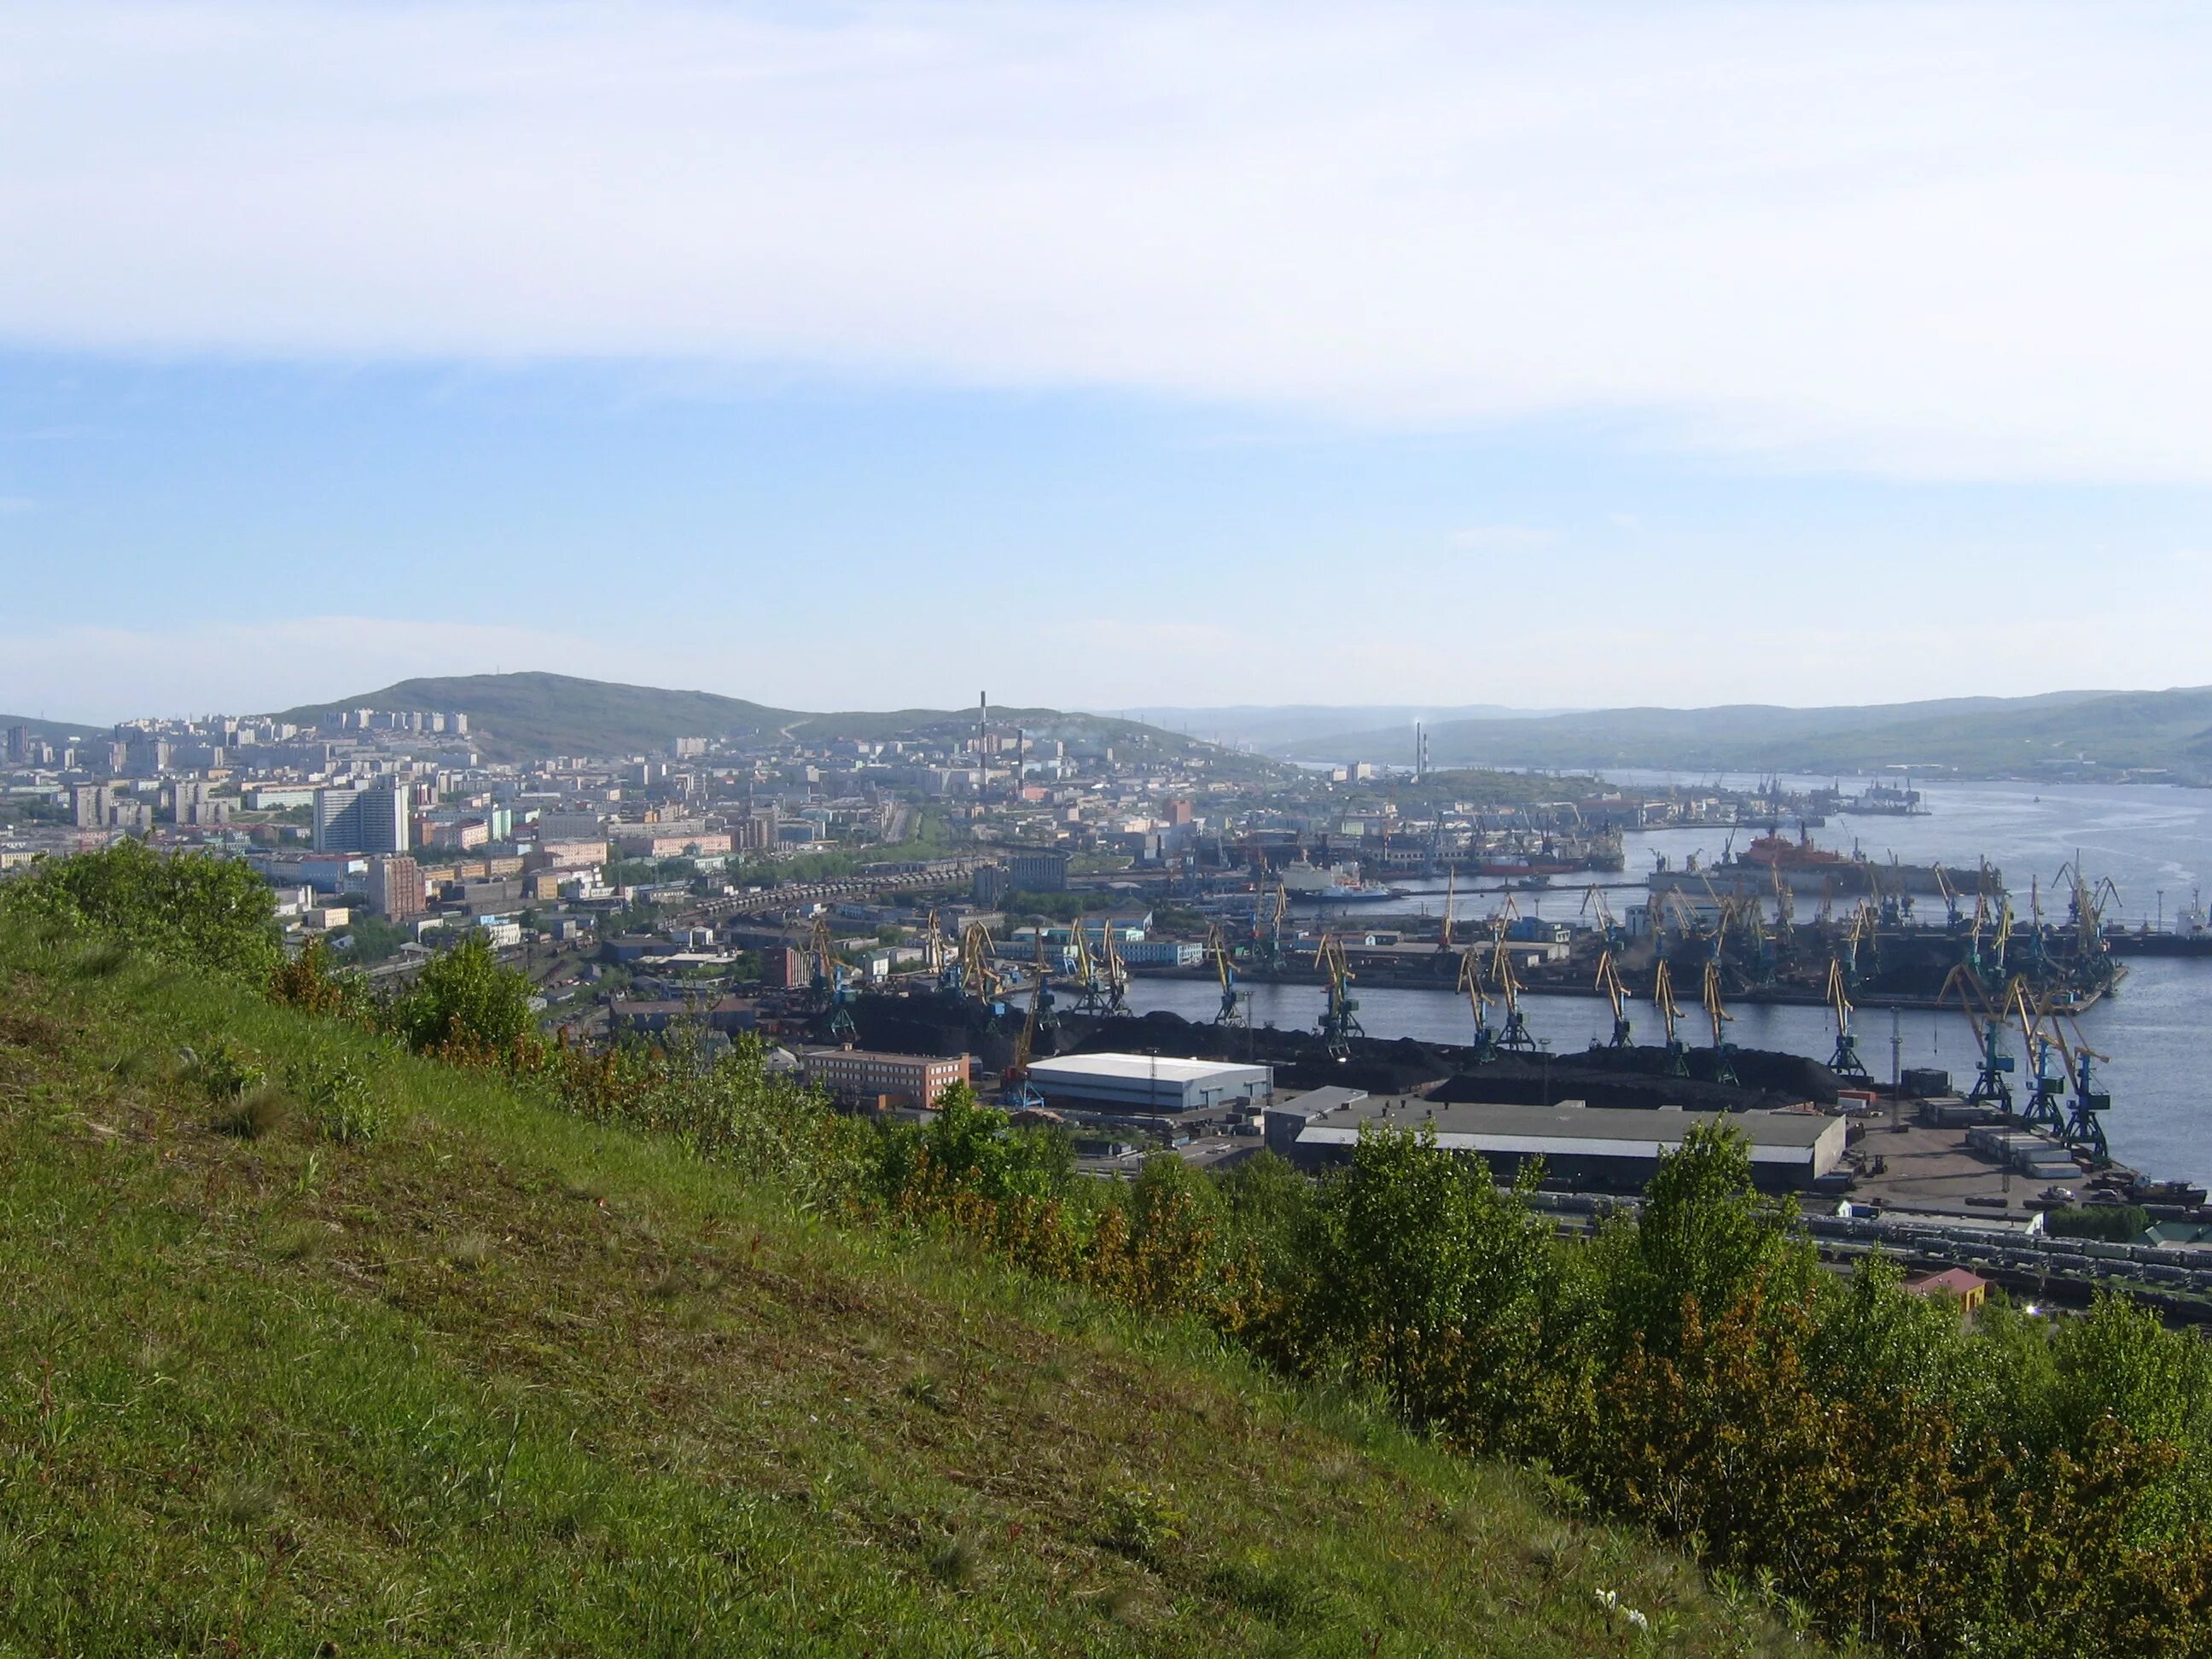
<point>2008,1489</point>
<point>2114,731</point>
<point>527,715</point>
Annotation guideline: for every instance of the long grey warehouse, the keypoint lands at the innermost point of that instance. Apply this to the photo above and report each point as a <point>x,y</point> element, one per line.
<point>1150,1084</point>
<point>1584,1148</point>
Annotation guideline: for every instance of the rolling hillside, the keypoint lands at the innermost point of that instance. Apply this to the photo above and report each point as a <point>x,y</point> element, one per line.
<point>502,1380</point>
<point>527,714</point>
<point>2025,735</point>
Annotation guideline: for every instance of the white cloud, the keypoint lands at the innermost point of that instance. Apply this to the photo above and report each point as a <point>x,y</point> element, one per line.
<point>1959,241</point>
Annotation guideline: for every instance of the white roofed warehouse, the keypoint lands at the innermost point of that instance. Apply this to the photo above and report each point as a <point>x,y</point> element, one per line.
<point>1584,1148</point>
<point>1150,1085</point>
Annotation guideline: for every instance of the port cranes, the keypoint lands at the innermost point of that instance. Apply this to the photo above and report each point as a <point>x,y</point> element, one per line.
<point>979,977</point>
<point>1515,1037</point>
<point>1670,1014</point>
<point>1017,1093</point>
<point>1845,1061</point>
<point>1993,1065</point>
<point>1723,1050</point>
<point>1477,1001</point>
<point>1105,981</point>
<point>2044,1090</point>
<point>1231,1010</point>
<point>1608,981</point>
<point>832,991</point>
<point>1339,1020</point>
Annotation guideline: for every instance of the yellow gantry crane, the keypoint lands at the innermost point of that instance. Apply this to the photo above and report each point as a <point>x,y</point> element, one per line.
<point>1339,1020</point>
<point>1845,1061</point>
<point>1231,1013</point>
<point>1670,1016</point>
<point>1609,984</point>
<point>1993,1065</point>
<point>1478,1002</point>
<point>1515,1037</point>
<point>1723,1050</point>
<point>978,976</point>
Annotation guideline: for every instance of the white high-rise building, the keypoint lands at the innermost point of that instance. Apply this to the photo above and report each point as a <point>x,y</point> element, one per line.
<point>361,820</point>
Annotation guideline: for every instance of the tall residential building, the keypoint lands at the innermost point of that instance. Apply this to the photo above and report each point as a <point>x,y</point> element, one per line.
<point>91,806</point>
<point>361,820</point>
<point>395,889</point>
<point>19,744</point>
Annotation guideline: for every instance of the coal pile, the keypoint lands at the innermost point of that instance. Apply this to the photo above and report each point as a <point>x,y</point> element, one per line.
<point>934,1023</point>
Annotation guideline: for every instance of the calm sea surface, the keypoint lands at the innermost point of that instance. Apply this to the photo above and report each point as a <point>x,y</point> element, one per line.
<point>2154,843</point>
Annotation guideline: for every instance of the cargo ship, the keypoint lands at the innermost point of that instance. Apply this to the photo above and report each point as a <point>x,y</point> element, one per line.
<point>1775,859</point>
<point>1338,883</point>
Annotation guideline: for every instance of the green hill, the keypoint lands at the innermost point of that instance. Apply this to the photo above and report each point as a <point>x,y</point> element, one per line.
<point>529,714</point>
<point>54,732</point>
<point>2028,736</point>
<point>525,715</point>
<point>501,1380</point>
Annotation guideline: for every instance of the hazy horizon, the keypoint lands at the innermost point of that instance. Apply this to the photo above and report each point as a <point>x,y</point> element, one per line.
<point>1187,356</point>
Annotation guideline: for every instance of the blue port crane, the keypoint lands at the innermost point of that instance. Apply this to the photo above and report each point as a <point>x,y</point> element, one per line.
<point>1845,1061</point>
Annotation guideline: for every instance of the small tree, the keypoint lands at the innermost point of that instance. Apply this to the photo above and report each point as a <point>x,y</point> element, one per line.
<point>466,998</point>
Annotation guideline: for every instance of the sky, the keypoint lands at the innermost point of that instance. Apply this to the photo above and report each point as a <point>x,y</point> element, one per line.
<point>1102,354</point>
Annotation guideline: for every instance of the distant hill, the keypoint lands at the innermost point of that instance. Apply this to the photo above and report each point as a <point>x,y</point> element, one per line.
<point>55,732</point>
<point>560,714</point>
<point>2011,735</point>
<point>520,715</point>
<point>1272,726</point>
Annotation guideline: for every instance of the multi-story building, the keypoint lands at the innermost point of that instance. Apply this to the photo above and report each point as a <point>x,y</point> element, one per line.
<point>361,820</point>
<point>395,888</point>
<point>1038,872</point>
<point>859,1077</point>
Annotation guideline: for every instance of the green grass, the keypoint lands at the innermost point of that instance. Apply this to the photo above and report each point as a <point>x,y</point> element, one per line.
<point>497,1380</point>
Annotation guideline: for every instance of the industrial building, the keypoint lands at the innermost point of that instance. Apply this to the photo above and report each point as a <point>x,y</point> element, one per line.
<point>1584,1148</point>
<point>857,1077</point>
<point>1133,1086</point>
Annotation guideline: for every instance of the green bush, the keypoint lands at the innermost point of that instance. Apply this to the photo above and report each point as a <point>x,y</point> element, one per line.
<point>2114,1223</point>
<point>466,998</point>
<point>187,908</point>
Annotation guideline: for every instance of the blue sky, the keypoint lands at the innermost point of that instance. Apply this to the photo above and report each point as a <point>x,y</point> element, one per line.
<point>1101,356</point>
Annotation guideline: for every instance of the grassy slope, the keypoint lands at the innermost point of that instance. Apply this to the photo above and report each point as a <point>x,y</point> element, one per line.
<point>503,1381</point>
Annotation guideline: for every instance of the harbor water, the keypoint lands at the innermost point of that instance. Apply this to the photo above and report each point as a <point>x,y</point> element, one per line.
<point>2153,841</point>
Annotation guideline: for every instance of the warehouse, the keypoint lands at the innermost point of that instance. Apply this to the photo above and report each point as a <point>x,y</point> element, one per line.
<point>1584,1148</point>
<point>1150,1085</point>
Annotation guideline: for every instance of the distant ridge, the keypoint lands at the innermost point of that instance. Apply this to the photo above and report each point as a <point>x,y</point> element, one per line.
<point>522,714</point>
<point>2013,736</point>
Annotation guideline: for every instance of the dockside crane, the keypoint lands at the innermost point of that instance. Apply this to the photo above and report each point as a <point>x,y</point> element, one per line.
<point>1088,974</point>
<point>979,975</point>
<point>1595,908</point>
<point>1017,1093</point>
<point>1609,983</point>
<point>2044,1090</point>
<point>1515,1037</point>
<point>2085,1129</point>
<point>1339,1020</point>
<point>1231,1010</point>
<point>1845,1061</point>
<point>1113,969</point>
<point>832,993</point>
<point>1993,1065</point>
<point>1670,1015</point>
<point>1478,1002</point>
<point>1723,1050</point>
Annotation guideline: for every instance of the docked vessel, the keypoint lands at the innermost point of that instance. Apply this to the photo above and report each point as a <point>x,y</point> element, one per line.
<point>1776,860</point>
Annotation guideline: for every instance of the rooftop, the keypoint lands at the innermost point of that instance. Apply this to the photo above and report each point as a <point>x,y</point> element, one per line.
<point>1070,1067</point>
